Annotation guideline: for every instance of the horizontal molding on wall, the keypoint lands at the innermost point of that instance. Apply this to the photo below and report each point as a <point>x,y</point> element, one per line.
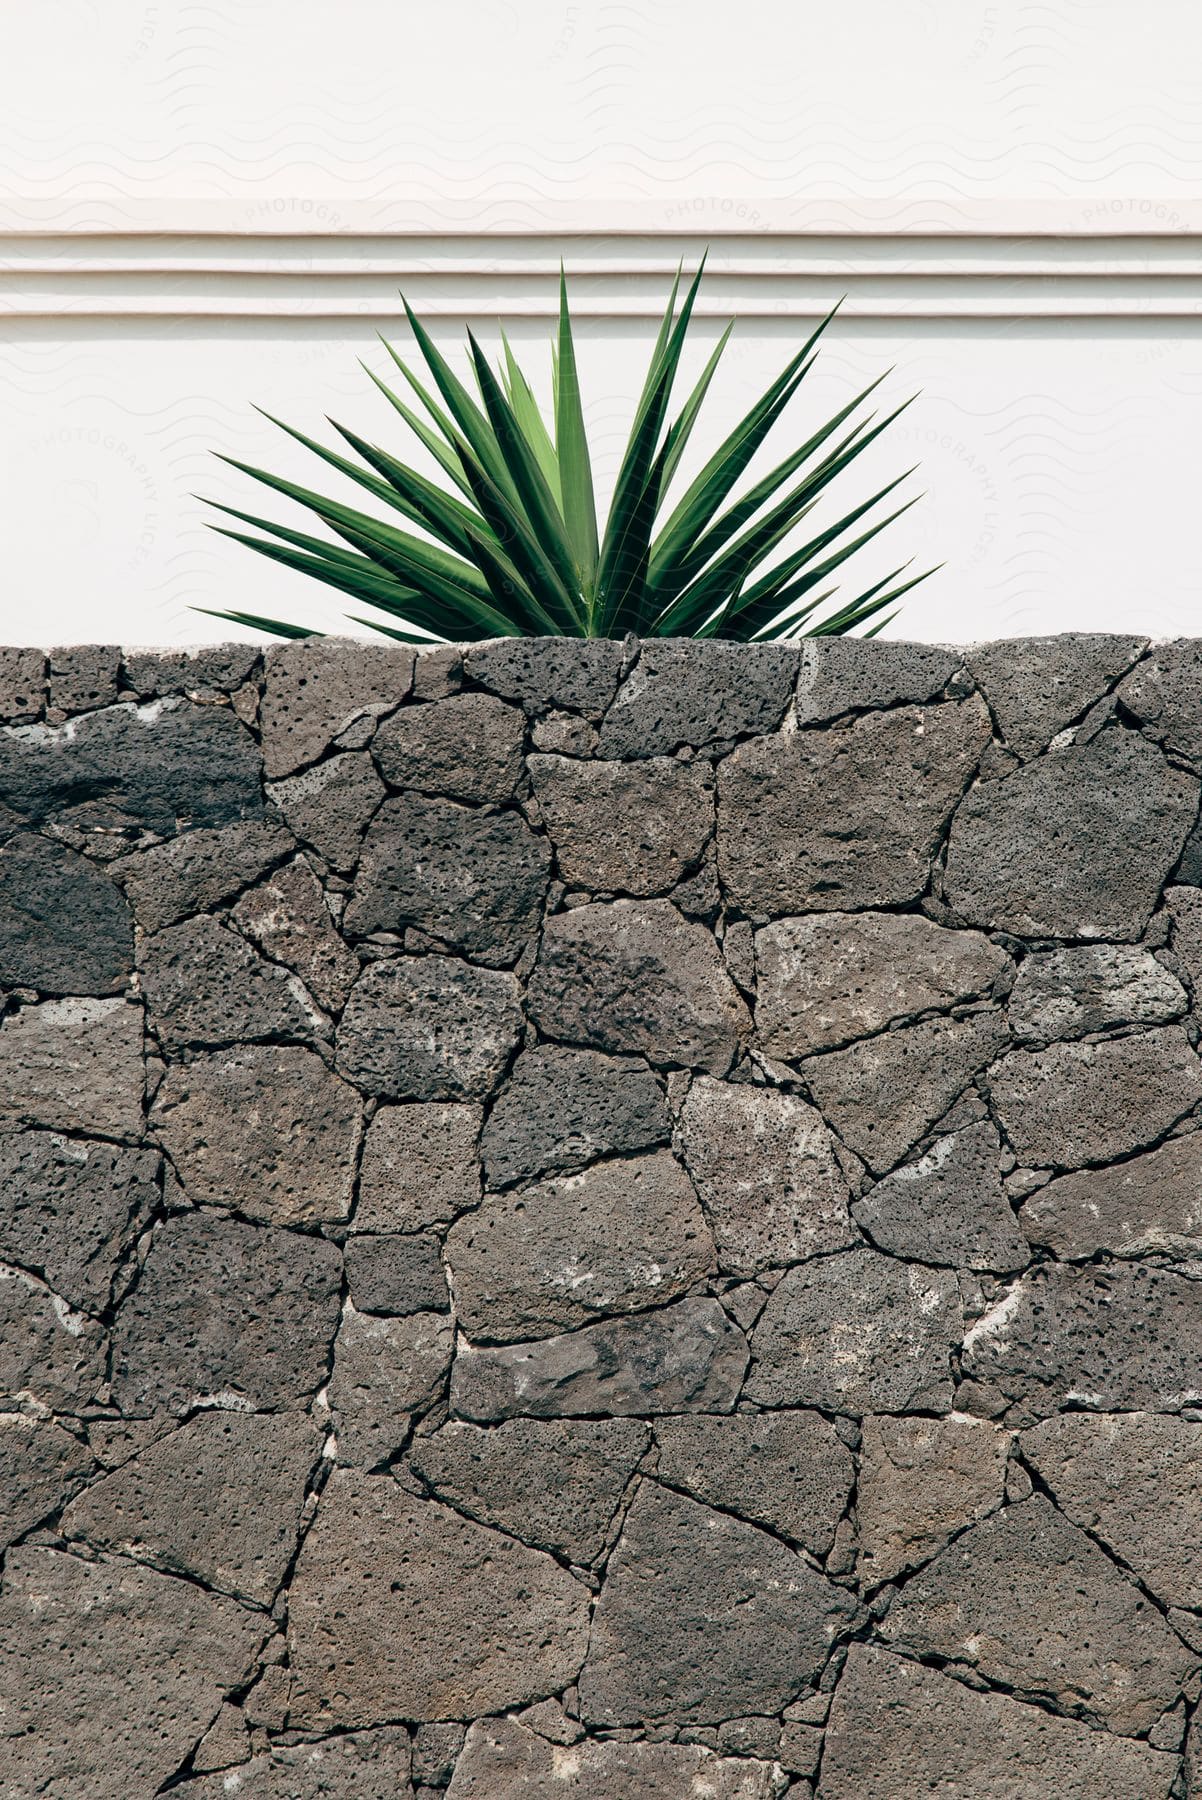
<point>313,275</point>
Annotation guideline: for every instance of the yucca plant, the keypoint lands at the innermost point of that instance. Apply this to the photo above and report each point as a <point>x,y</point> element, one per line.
<point>511,547</point>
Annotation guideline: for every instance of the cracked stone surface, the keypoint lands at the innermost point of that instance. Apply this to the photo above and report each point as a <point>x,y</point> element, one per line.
<point>206,986</point>
<point>847,816</point>
<point>473,879</point>
<point>1135,1481</point>
<point>882,1095</point>
<point>616,1238</point>
<point>637,977</point>
<point>704,1617</point>
<point>601,1218</point>
<point>1034,1603</point>
<point>109,1673</point>
<point>789,1471</point>
<point>909,1731</point>
<point>826,980</point>
<point>72,1206</point>
<point>428,1028</point>
<point>1076,844</point>
<point>218,1499</point>
<point>857,1332</point>
<point>767,1173</point>
<point>1150,1202</point>
<point>386,1370</point>
<point>563,1108</point>
<point>1090,1103</point>
<point>948,1207</point>
<point>1035,686</point>
<point>554,1483</point>
<point>266,1130</point>
<point>401,1608</point>
<point>625,827</point>
<point>921,1481</point>
<point>501,1760</point>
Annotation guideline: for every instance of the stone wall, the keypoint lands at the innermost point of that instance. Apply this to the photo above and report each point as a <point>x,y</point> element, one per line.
<point>592,1221</point>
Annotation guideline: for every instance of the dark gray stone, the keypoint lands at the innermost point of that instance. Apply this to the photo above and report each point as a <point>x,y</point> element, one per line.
<point>767,1173</point>
<point>1068,993</point>
<point>884,1094</point>
<point>400,1609</point>
<point>395,1274</point>
<point>1130,1479</point>
<point>71,1208</point>
<point>687,1357</point>
<point>682,692</point>
<point>1037,686</point>
<point>134,769</point>
<point>475,880</point>
<point>429,1028</point>
<point>842,675</point>
<point>206,670</point>
<point>1162,693</point>
<point>328,807</point>
<point>83,676</point>
<point>555,1483</point>
<point>1088,1103</point>
<point>1033,1604</point>
<point>22,684</point>
<point>420,1167</point>
<point>836,819</point>
<point>228,1312</point>
<point>386,1372</point>
<point>196,872</point>
<point>288,918</point>
<point>109,1674</point>
<point>64,927</point>
<point>703,1618</point>
<point>948,1207</point>
<point>355,1765</point>
<point>48,1354</point>
<point>920,1482</point>
<point>857,1333</point>
<point>1113,1339</point>
<point>545,674</point>
<point>265,1129</point>
<point>1076,844</point>
<point>624,827</point>
<point>205,986</point>
<point>828,979</point>
<point>466,748</point>
<point>40,1465</point>
<point>502,1760</point>
<point>317,687</point>
<point>620,1236</point>
<point>1151,1202</point>
<point>561,1108</point>
<point>219,1499</point>
<point>636,976</point>
<point>901,1729</point>
<point>789,1471</point>
<point>73,1065</point>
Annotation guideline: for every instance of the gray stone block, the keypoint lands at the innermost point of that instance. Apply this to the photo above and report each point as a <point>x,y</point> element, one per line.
<point>682,692</point>
<point>65,928</point>
<point>624,827</point>
<point>561,1108</point>
<point>429,1028</point>
<point>466,748</point>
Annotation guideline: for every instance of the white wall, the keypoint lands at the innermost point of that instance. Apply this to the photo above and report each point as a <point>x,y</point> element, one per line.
<point>213,203</point>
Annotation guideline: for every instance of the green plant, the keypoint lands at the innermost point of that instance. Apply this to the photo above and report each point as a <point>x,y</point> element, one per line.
<point>511,547</point>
